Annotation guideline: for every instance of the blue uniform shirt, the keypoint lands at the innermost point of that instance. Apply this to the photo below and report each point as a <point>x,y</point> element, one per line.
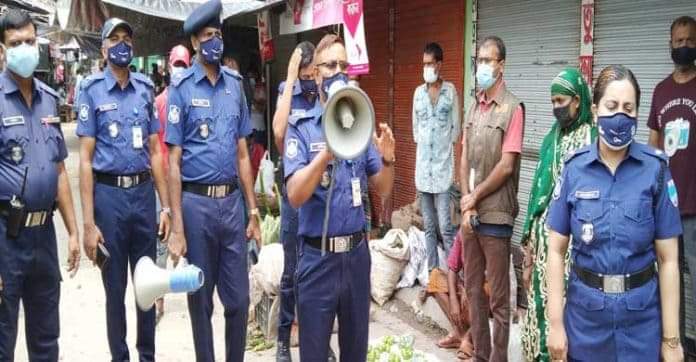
<point>30,138</point>
<point>300,106</point>
<point>206,121</point>
<point>615,219</point>
<point>121,121</point>
<point>303,141</point>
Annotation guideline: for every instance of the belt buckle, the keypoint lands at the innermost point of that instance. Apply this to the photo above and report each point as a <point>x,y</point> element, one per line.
<point>35,219</point>
<point>219,191</point>
<point>126,182</point>
<point>613,283</point>
<point>341,244</point>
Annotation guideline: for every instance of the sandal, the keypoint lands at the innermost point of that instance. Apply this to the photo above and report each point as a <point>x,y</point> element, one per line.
<point>466,349</point>
<point>449,342</point>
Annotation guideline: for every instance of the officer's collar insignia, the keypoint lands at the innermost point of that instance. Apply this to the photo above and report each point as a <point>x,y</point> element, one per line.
<point>291,148</point>
<point>325,179</point>
<point>84,112</point>
<point>587,195</point>
<point>108,107</point>
<point>113,130</point>
<point>587,233</point>
<point>317,146</point>
<point>12,121</point>
<point>17,153</point>
<point>50,120</point>
<point>672,192</point>
<point>205,130</point>
<point>173,115</point>
<point>200,102</point>
<point>557,188</point>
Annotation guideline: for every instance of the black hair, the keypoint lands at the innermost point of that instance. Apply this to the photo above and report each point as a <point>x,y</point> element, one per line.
<point>499,44</point>
<point>435,50</point>
<point>610,74</point>
<point>681,21</point>
<point>14,19</point>
<point>307,49</point>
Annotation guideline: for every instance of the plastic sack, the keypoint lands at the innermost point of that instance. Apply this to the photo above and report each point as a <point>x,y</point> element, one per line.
<point>265,178</point>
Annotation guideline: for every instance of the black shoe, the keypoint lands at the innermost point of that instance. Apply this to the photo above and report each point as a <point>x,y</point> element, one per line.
<point>283,352</point>
<point>332,355</point>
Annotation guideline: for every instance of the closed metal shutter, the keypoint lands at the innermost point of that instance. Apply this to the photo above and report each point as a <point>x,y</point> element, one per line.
<point>541,38</point>
<point>635,33</point>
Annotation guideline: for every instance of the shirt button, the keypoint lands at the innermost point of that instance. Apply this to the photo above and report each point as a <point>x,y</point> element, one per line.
<point>37,140</point>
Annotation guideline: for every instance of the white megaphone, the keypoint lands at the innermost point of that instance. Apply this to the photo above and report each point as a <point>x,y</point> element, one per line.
<point>348,121</point>
<point>151,282</point>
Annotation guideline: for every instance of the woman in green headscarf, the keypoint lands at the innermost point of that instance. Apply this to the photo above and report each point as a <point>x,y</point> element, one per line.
<point>573,129</point>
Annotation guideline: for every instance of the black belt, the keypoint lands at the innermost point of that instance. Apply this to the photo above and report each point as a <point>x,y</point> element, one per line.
<point>615,283</point>
<point>31,218</point>
<point>122,181</point>
<point>212,191</point>
<point>337,244</point>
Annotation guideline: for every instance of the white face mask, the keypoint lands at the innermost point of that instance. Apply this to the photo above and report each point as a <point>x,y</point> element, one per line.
<point>177,70</point>
<point>429,74</point>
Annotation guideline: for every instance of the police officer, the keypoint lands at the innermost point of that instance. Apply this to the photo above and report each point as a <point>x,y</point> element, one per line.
<point>337,283</point>
<point>119,156</point>
<point>298,99</point>
<point>618,201</point>
<point>33,181</point>
<point>207,124</point>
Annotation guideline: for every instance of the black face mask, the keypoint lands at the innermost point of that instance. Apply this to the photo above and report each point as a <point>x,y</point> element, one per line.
<point>309,88</point>
<point>683,55</point>
<point>562,114</point>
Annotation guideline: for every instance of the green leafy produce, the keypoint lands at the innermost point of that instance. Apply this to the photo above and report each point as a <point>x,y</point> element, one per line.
<point>396,349</point>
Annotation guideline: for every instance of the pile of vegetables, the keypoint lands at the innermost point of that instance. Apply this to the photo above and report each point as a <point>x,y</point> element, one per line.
<point>396,349</point>
<point>270,221</point>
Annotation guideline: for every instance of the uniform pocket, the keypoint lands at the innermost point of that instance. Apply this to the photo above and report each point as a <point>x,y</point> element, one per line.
<point>54,142</point>
<point>15,147</point>
<point>583,296</point>
<point>639,211</point>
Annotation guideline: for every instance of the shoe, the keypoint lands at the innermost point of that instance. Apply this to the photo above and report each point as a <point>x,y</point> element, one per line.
<point>283,352</point>
<point>332,355</point>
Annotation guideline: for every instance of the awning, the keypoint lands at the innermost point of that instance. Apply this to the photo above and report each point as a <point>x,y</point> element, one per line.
<point>180,9</point>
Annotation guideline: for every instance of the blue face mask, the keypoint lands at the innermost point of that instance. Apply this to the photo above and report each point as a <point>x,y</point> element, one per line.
<point>121,54</point>
<point>484,76</point>
<point>211,50</point>
<point>23,59</point>
<point>617,131</point>
<point>331,84</point>
<point>309,88</point>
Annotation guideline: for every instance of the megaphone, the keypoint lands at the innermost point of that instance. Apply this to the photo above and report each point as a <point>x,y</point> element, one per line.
<point>348,121</point>
<point>151,282</point>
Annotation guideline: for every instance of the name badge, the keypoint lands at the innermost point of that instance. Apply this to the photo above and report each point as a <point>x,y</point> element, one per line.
<point>357,195</point>
<point>317,146</point>
<point>137,137</point>
<point>50,120</point>
<point>587,195</point>
<point>200,102</point>
<point>107,107</point>
<point>12,121</point>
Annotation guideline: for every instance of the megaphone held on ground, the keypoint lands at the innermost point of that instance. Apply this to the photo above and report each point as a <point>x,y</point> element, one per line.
<point>151,282</point>
<point>348,121</point>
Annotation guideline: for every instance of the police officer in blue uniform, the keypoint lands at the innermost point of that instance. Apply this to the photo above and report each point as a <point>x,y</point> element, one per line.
<point>207,126</point>
<point>119,157</point>
<point>338,283</point>
<point>298,98</point>
<point>617,200</point>
<point>33,181</point>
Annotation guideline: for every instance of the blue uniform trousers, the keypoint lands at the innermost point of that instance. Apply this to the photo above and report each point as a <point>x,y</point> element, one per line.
<point>30,273</point>
<point>336,284</point>
<point>127,220</point>
<point>216,243</point>
<point>613,327</point>
<point>288,236</point>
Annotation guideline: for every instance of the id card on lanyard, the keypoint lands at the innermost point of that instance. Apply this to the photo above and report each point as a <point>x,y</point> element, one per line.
<point>355,187</point>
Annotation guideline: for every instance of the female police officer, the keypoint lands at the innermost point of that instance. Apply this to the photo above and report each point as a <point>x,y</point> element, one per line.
<point>618,201</point>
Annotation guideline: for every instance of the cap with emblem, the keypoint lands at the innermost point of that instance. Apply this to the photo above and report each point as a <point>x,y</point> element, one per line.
<point>206,15</point>
<point>113,24</point>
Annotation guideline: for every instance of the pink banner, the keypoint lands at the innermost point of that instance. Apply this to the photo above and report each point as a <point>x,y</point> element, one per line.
<point>326,12</point>
<point>354,30</point>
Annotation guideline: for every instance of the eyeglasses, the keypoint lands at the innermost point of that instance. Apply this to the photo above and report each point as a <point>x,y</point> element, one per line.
<point>343,65</point>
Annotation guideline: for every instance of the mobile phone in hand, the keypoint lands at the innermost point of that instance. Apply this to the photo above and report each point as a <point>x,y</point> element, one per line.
<point>102,255</point>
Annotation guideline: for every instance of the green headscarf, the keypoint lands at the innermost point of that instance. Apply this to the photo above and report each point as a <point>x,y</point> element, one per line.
<point>560,141</point>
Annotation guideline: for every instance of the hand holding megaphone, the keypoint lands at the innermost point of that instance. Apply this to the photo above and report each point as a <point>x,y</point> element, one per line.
<point>151,282</point>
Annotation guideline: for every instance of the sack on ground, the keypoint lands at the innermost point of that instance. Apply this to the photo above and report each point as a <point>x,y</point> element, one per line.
<point>389,256</point>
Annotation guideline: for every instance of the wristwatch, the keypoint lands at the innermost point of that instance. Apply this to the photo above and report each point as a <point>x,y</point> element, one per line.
<point>254,212</point>
<point>166,210</point>
<point>671,342</point>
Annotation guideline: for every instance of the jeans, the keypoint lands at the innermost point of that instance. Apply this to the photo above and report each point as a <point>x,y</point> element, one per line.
<point>436,216</point>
